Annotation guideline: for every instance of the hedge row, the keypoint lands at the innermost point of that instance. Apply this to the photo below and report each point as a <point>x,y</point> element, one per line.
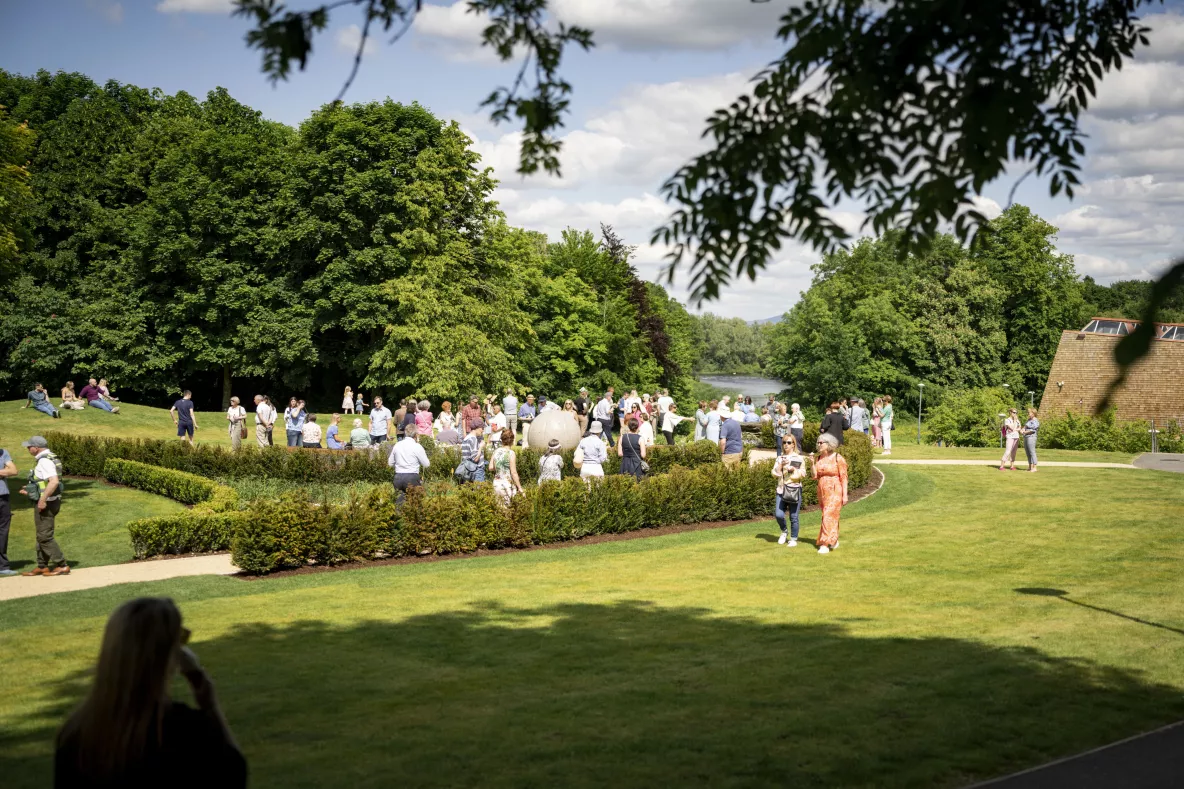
<point>86,456</point>
<point>1104,433</point>
<point>177,485</point>
<point>292,532</point>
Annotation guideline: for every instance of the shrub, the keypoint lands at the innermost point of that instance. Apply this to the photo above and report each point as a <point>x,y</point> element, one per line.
<point>857,449</point>
<point>969,417</point>
<point>177,485</point>
<point>194,531</point>
<point>1097,433</point>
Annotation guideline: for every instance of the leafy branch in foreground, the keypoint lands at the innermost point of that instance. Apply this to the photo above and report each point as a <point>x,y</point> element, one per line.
<point>907,109</point>
<point>517,28</point>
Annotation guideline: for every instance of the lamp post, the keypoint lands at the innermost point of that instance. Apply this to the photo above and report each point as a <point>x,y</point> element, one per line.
<point>920,398</point>
<point>1001,418</point>
<point>1031,399</point>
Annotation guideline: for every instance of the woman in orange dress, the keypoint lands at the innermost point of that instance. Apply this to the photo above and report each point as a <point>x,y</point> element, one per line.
<point>830,469</point>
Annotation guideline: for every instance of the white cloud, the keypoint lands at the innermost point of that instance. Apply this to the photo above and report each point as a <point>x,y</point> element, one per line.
<point>1166,37</point>
<point>1140,88</point>
<point>195,6</point>
<point>1138,190</point>
<point>647,25</point>
<point>349,38</point>
<point>451,32</point>
<point>112,12</point>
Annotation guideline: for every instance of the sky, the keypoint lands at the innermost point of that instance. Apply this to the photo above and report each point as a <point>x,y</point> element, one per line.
<point>641,97</point>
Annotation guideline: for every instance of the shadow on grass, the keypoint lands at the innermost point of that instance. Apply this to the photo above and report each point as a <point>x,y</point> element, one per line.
<point>634,695</point>
<point>1061,594</point>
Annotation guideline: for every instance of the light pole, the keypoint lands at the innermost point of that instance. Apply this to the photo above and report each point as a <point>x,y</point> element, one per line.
<point>1001,418</point>
<point>920,398</point>
<point>1031,399</point>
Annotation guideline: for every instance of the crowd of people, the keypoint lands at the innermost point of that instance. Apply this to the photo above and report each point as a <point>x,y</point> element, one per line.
<point>96,394</point>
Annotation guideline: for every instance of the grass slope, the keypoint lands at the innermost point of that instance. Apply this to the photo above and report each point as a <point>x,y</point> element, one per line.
<point>714,658</point>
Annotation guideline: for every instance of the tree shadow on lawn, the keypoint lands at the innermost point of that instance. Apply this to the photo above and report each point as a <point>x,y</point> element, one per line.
<point>632,694</point>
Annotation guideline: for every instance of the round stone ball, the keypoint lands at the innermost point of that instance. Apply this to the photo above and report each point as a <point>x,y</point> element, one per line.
<point>554,424</point>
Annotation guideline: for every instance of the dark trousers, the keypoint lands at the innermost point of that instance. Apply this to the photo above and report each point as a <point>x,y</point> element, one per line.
<point>607,424</point>
<point>5,522</point>
<point>404,481</point>
<point>48,550</point>
<point>669,436</point>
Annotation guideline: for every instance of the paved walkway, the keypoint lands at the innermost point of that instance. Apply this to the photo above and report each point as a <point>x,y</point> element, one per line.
<point>1161,461</point>
<point>94,577</point>
<point>1149,761</point>
<point>988,462</point>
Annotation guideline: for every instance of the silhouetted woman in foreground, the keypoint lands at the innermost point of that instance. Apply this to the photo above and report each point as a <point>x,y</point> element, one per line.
<point>128,732</point>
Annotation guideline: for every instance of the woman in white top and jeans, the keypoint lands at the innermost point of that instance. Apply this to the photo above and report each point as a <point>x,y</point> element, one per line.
<point>236,415</point>
<point>594,452</point>
<point>789,476</point>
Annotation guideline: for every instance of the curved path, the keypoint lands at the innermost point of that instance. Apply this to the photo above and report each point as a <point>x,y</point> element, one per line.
<point>111,574</point>
<point>985,462</point>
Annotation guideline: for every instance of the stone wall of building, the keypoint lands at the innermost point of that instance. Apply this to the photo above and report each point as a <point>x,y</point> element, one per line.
<point>1084,367</point>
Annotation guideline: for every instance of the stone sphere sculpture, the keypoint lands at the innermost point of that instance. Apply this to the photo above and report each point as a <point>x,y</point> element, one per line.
<point>554,424</point>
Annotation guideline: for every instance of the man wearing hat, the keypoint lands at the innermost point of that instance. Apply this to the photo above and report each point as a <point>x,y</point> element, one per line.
<point>731,444</point>
<point>7,469</point>
<point>44,488</point>
<point>583,406</point>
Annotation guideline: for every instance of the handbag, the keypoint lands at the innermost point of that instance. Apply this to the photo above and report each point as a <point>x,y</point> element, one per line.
<point>791,495</point>
<point>242,433</point>
<point>645,467</point>
<point>577,459</point>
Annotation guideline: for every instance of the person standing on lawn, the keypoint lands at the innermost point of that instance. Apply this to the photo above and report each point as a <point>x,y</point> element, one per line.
<point>731,443</point>
<point>1029,430</point>
<point>526,415</point>
<point>830,470</point>
<point>184,417</point>
<point>407,458</point>
<point>7,469</point>
<point>1012,426</point>
<point>294,422</point>
<point>380,419</point>
<point>832,423</point>
<point>236,415</point>
<point>886,424</point>
<point>40,401</point>
<point>471,411</point>
<point>510,409</point>
<point>603,413</point>
<point>472,450</point>
<point>790,470</point>
<point>583,407</point>
<point>264,416</point>
<point>44,489</point>
<point>670,420</point>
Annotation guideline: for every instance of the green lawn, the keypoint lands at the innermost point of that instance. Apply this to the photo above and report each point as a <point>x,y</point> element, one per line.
<point>92,526</point>
<point>716,658</point>
<point>908,449</point>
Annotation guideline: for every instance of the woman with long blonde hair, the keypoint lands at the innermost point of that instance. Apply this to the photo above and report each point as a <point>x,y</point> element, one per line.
<point>128,732</point>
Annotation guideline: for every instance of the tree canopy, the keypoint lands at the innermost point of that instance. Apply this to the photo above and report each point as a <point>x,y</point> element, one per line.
<point>170,242</point>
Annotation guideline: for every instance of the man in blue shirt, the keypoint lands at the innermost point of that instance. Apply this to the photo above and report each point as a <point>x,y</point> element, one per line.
<point>40,400</point>
<point>526,415</point>
<point>7,469</point>
<point>731,444</point>
<point>856,416</point>
<point>184,418</point>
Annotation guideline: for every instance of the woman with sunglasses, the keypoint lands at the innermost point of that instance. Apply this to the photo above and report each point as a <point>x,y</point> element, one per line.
<point>790,470</point>
<point>830,469</point>
<point>128,732</point>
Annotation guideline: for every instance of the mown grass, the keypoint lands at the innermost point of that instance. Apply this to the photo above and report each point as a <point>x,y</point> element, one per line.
<point>717,658</point>
<point>91,527</point>
<point>906,448</point>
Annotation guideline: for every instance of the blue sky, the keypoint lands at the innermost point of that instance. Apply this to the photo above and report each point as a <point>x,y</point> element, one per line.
<point>660,67</point>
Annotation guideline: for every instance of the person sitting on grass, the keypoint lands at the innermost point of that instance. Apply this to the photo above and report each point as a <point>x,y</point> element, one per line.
<point>128,732</point>
<point>70,400</point>
<point>40,400</point>
<point>359,437</point>
<point>94,398</point>
<point>105,392</point>
<point>184,417</point>
<point>310,434</point>
<point>332,434</point>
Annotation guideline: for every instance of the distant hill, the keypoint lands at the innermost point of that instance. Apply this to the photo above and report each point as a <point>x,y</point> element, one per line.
<point>774,319</point>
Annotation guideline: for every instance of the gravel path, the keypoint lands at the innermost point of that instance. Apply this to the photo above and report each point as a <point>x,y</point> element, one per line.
<point>135,572</point>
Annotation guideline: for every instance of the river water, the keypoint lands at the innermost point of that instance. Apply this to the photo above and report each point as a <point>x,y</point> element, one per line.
<point>751,385</point>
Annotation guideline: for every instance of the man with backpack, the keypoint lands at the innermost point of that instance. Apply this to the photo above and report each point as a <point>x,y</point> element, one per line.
<point>44,489</point>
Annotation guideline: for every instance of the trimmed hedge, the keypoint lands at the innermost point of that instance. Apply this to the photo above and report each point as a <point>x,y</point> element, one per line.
<point>177,485</point>
<point>1104,433</point>
<point>810,432</point>
<point>87,455</point>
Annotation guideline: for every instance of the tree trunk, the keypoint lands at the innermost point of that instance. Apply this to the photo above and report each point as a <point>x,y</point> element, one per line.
<point>225,387</point>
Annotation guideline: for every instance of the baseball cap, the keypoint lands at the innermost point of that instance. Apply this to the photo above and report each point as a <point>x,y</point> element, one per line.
<point>36,441</point>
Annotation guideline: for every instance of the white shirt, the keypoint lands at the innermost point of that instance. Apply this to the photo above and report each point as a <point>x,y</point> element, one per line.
<point>664,403</point>
<point>379,417</point>
<point>551,406</point>
<point>311,433</point>
<point>603,409</point>
<point>670,421</point>
<point>264,414</point>
<point>630,402</point>
<point>498,422</point>
<point>646,431</point>
<point>594,451</point>
<point>45,467</point>
<point>407,457</point>
<point>236,413</point>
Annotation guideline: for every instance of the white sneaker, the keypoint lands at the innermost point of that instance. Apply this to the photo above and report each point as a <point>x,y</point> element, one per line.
<point>783,538</point>
<point>792,543</point>
<point>836,545</point>
<point>824,549</point>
